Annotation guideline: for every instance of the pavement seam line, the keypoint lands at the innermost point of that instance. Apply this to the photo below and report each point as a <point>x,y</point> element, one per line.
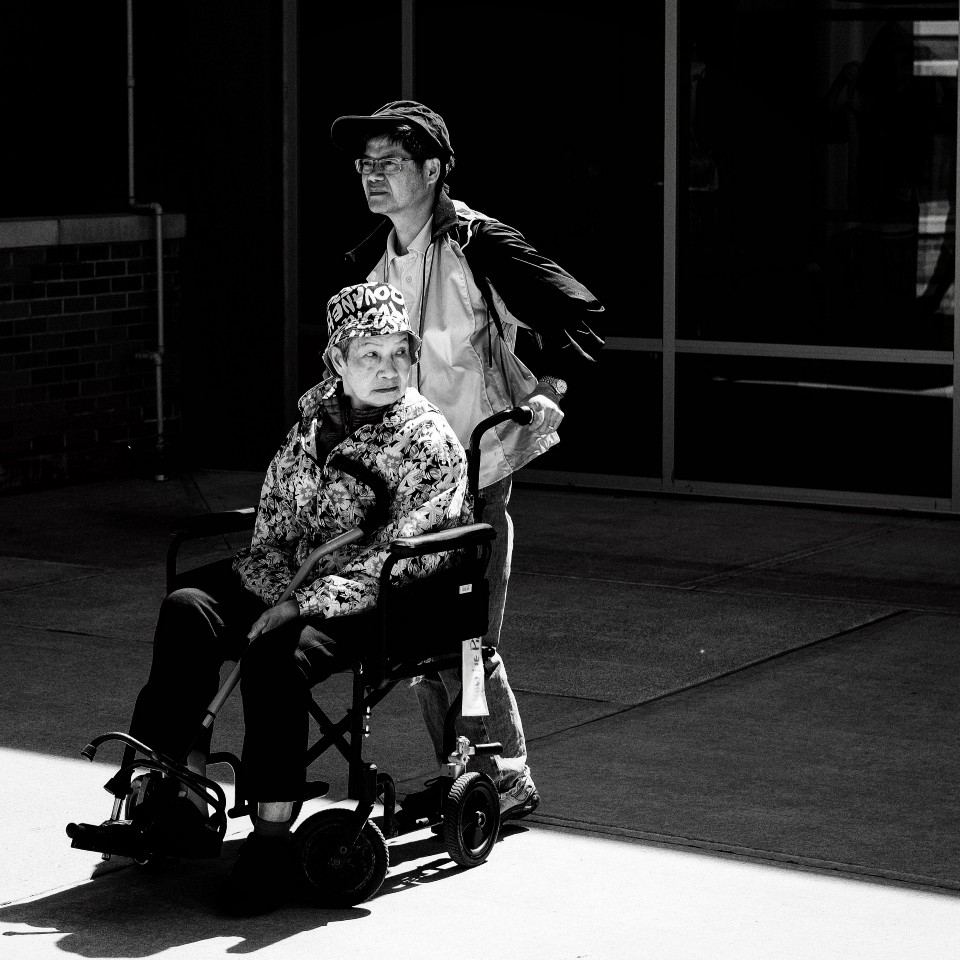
<point>778,561</point>
<point>828,598</point>
<point>46,583</point>
<point>729,673</point>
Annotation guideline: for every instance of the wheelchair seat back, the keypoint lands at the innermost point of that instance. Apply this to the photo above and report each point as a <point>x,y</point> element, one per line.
<point>429,618</point>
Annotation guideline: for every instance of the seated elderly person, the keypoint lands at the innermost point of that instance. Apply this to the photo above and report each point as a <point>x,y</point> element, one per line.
<point>368,412</point>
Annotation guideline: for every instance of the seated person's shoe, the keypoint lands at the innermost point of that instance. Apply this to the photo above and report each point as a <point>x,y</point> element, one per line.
<point>421,807</point>
<point>157,823</point>
<point>183,831</point>
<point>519,801</point>
<point>172,825</point>
<point>263,876</point>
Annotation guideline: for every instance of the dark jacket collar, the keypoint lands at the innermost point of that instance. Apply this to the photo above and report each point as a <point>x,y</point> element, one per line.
<point>444,215</point>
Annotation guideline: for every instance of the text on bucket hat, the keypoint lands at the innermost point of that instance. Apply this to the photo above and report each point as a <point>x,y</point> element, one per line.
<point>367,310</point>
<point>347,132</point>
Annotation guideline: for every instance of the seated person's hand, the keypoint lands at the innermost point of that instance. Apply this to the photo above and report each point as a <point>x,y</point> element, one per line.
<point>274,617</point>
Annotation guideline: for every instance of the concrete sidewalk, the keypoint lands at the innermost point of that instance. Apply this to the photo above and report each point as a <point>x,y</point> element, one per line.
<point>631,620</point>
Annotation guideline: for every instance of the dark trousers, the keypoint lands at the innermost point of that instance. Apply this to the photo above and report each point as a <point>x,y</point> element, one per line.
<point>205,622</point>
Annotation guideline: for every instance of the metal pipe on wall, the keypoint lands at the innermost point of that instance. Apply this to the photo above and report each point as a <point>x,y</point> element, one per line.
<point>408,39</point>
<point>291,207</point>
<point>156,355</point>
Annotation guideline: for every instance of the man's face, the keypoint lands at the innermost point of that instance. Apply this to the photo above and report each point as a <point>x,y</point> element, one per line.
<point>390,193</point>
<point>376,370</point>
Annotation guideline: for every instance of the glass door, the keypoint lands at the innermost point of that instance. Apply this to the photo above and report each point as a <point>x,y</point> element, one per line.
<point>815,250</point>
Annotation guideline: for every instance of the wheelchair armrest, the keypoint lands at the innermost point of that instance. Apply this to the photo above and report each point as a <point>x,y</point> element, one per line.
<point>442,540</point>
<point>211,524</point>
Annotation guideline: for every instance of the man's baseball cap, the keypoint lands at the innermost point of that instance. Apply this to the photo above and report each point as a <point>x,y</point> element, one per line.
<point>367,310</point>
<point>348,132</point>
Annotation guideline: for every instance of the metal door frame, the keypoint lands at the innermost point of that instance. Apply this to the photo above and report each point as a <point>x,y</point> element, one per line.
<point>670,347</point>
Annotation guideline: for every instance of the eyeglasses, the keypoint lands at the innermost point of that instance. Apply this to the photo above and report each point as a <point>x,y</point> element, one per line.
<point>383,165</point>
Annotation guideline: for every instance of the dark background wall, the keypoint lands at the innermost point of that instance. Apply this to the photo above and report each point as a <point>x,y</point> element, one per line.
<point>208,100</point>
<point>556,118</point>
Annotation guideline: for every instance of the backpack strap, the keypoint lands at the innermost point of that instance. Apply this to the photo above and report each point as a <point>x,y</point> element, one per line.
<point>472,231</point>
<point>378,514</point>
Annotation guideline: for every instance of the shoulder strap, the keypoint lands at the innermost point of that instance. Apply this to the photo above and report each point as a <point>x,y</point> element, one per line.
<point>483,285</point>
<point>377,515</point>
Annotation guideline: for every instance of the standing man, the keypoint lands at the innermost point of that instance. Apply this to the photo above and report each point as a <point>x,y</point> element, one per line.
<point>469,281</point>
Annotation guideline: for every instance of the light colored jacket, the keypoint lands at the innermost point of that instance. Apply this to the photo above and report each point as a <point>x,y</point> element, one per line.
<point>304,503</point>
<point>468,367</point>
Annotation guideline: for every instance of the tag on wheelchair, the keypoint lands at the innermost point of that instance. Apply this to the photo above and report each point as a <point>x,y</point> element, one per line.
<point>474,696</point>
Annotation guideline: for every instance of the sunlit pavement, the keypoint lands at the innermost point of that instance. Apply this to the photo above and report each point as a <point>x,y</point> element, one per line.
<point>544,893</point>
<point>677,596</point>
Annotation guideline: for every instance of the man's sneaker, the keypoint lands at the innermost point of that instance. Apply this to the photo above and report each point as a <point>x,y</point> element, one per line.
<point>519,801</point>
<point>262,878</point>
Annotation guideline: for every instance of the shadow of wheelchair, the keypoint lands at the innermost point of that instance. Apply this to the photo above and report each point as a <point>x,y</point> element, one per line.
<point>135,912</point>
<point>419,858</point>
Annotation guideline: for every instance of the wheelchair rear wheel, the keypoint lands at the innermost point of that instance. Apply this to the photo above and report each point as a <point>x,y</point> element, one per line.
<point>471,819</point>
<point>341,875</point>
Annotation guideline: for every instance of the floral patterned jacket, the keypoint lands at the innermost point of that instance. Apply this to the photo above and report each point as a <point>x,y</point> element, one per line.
<point>304,503</point>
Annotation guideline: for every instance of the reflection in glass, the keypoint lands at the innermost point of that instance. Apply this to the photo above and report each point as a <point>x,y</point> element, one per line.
<point>820,424</point>
<point>818,177</point>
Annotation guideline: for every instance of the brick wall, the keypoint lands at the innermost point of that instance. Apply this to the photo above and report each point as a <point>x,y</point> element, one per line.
<point>75,400</point>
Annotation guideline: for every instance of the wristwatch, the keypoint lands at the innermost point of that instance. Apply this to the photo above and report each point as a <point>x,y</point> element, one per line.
<point>558,386</point>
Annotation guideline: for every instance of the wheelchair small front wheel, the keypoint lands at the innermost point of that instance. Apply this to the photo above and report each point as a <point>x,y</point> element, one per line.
<point>471,819</point>
<point>341,874</point>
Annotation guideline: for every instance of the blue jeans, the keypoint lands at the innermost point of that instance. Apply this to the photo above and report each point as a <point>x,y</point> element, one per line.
<point>436,692</point>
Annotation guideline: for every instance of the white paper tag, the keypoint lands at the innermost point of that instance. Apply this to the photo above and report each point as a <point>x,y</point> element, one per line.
<point>474,696</point>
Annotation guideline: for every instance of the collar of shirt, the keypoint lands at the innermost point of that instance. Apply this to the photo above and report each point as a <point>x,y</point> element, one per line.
<point>418,245</point>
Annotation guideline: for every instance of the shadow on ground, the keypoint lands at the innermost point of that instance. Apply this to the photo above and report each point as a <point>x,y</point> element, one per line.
<point>140,912</point>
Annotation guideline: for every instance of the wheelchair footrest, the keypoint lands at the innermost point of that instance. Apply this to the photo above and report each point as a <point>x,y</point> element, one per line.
<point>125,838</point>
<point>116,837</point>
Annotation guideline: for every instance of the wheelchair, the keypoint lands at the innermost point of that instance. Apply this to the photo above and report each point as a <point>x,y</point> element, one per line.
<point>343,853</point>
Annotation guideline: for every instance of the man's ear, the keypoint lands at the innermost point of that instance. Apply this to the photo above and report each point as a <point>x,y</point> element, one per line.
<point>431,169</point>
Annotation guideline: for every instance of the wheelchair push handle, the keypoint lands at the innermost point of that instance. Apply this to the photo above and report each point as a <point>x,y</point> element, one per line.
<point>521,415</point>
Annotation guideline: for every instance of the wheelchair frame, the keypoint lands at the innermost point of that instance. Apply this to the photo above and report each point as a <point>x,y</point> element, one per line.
<point>343,853</point>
